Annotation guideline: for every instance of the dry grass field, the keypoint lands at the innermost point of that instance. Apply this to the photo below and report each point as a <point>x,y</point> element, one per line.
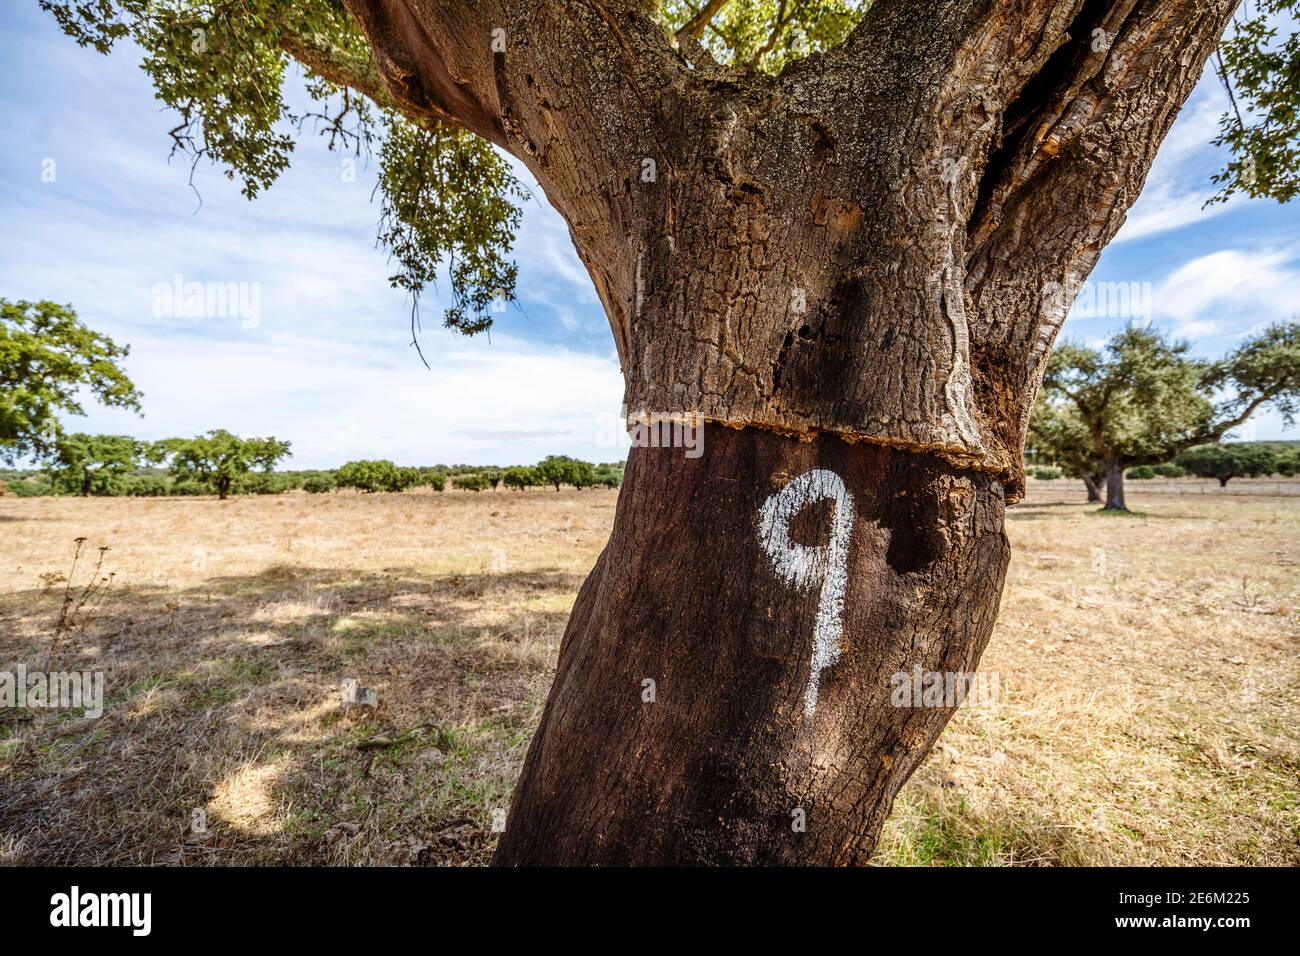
<point>1148,666</point>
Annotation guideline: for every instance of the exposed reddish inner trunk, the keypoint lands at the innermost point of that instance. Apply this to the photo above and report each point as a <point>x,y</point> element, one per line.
<point>687,595</point>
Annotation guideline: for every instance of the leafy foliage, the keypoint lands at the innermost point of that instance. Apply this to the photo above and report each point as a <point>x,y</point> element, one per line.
<point>1288,462</point>
<point>46,355</point>
<point>446,191</point>
<point>318,484</point>
<point>1057,435</point>
<point>265,483</point>
<point>611,476</point>
<point>432,478</point>
<point>471,482</point>
<point>766,34</point>
<point>519,478</point>
<point>447,198</point>
<point>562,470</point>
<point>82,464</point>
<point>219,459</point>
<point>1228,461</point>
<point>1261,70</point>
<point>153,486</point>
<point>23,488</point>
<point>371,475</point>
<point>1267,367</point>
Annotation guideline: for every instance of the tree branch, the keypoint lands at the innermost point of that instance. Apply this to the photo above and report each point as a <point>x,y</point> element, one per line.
<point>782,18</point>
<point>1218,430</point>
<point>442,77</point>
<point>337,65</point>
<point>697,24</point>
<point>1086,109</point>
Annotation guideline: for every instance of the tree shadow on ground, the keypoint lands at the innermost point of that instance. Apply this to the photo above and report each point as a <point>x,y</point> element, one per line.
<point>225,739</point>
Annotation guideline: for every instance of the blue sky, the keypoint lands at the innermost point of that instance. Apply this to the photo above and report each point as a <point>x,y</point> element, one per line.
<point>327,362</point>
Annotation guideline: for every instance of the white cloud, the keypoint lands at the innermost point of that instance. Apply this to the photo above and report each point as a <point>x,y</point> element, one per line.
<point>505,402</point>
<point>1204,293</point>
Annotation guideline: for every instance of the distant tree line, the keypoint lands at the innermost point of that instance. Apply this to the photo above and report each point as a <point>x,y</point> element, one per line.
<point>224,464</point>
<point>49,358</point>
<point>553,471</point>
<point>1222,462</point>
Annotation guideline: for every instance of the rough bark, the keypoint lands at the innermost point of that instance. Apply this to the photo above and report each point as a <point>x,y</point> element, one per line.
<point>872,244</point>
<point>1114,487</point>
<point>858,266</point>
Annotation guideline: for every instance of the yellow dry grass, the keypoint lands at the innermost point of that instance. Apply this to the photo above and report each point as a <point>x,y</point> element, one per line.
<point>1148,669</point>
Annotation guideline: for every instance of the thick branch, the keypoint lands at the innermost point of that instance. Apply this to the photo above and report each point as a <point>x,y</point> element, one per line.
<point>414,56</point>
<point>339,66</point>
<point>1070,155</point>
<point>483,65</point>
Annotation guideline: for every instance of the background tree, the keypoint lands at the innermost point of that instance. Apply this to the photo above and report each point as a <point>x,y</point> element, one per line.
<point>433,478</point>
<point>265,483</point>
<point>319,484</point>
<point>1144,399</point>
<point>82,464</point>
<point>474,481</point>
<point>46,356</point>
<point>611,476</point>
<point>560,470</point>
<point>371,475</point>
<point>1288,461</point>
<point>824,230</point>
<point>1057,436</point>
<point>1228,461</point>
<point>519,478</point>
<point>219,459</point>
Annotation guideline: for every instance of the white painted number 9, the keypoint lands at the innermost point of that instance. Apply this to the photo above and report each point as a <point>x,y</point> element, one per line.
<point>803,567</point>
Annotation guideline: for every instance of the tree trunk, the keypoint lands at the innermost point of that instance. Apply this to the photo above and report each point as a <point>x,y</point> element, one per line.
<point>746,722</point>
<point>85,484</point>
<point>1114,487</point>
<point>1094,493</point>
<point>1223,482</point>
<point>223,488</point>
<point>852,274</point>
